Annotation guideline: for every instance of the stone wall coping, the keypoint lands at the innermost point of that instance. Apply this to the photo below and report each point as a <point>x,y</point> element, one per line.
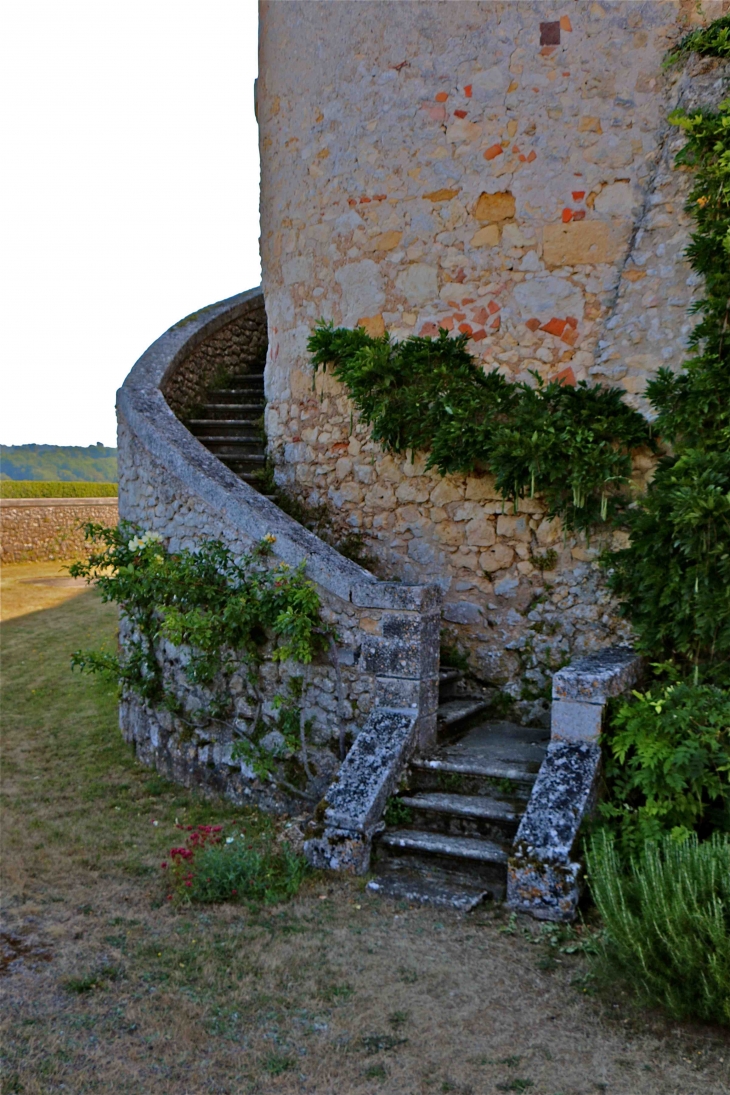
<point>597,677</point>
<point>160,360</point>
<point>23,503</point>
<point>141,401</point>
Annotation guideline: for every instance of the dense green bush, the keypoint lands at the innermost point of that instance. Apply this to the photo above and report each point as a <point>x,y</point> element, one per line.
<point>667,922</point>
<point>206,600</point>
<point>668,764</point>
<point>674,578</point>
<point>34,488</point>
<point>572,445</point>
<point>211,867</point>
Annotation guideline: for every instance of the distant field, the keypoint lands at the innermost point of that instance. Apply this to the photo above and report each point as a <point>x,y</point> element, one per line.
<point>54,463</point>
<point>33,488</point>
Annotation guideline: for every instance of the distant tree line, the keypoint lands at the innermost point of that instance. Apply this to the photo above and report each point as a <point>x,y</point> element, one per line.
<point>60,463</point>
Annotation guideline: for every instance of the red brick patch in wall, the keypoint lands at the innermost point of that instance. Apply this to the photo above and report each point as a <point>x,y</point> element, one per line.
<point>467,91</point>
<point>493,151</point>
<point>532,324</point>
<point>550,33</point>
<point>554,326</point>
<point>566,376</point>
<point>441,96</point>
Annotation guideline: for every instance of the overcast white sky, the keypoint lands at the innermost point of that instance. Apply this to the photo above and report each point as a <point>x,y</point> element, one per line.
<point>130,193</point>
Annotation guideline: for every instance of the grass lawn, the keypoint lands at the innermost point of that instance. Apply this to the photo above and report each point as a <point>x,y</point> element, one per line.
<point>108,988</point>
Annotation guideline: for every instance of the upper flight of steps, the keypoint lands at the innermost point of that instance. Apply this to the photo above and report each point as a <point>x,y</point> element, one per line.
<point>455,816</point>
<point>230,425</point>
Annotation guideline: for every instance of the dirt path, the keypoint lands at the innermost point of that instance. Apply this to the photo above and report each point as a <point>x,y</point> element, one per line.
<point>109,989</point>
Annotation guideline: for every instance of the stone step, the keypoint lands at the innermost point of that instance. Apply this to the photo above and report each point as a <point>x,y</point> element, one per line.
<point>454,814</point>
<point>231,440</point>
<point>479,769</point>
<point>223,423</point>
<point>235,398</point>
<point>460,862</point>
<point>240,464</point>
<point>479,807</point>
<point>232,450</point>
<point>419,889</point>
<point>454,712</point>
<point>449,679</point>
<point>471,849</point>
<point>245,380</point>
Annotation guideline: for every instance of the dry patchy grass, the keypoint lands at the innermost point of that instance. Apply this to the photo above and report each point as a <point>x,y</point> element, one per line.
<point>335,992</point>
<point>32,587</point>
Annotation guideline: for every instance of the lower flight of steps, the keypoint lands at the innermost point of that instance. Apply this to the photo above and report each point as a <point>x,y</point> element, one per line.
<point>450,828</point>
<point>230,424</point>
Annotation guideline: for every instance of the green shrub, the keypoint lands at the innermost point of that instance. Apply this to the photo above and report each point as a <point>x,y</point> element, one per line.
<point>674,579</point>
<point>206,600</point>
<point>31,488</point>
<point>668,763</point>
<point>667,922</point>
<point>210,868</point>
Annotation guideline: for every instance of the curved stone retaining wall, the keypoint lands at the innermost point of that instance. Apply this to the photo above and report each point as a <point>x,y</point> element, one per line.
<point>34,530</point>
<point>388,633</point>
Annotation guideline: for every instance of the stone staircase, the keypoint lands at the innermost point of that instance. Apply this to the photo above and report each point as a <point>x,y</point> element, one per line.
<point>230,425</point>
<point>455,816</point>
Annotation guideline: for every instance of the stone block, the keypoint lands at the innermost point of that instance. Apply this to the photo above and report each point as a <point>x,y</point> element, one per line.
<point>400,692</point>
<point>362,290</point>
<point>488,236</point>
<point>402,657</point>
<point>574,721</point>
<point>597,677</point>
<point>495,207</point>
<point>339,850</point>
<point>462,612</point>
<point>580,242</point>
<point>397,596</point>
<point>547,891</point>
<point>497,558</point>
<point>418,283</point>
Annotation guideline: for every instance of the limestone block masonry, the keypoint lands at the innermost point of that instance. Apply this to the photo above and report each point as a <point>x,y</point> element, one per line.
<point>33,530</point>
<point>505,170</point>
<point>385,662</point>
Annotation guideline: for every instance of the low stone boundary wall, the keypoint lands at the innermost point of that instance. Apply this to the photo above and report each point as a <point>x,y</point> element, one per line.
<point>34,530</point>
<point>386,655</point>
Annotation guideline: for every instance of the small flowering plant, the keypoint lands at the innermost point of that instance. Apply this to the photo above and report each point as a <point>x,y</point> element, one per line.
<point>213,867</point>
<point>207,600</point>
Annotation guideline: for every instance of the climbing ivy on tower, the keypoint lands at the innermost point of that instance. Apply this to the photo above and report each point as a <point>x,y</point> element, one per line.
<point>571,445</point>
